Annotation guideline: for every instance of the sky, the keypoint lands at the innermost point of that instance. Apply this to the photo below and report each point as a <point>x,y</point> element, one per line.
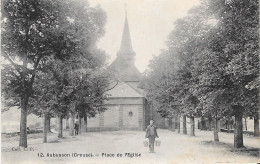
<point>150,22</point>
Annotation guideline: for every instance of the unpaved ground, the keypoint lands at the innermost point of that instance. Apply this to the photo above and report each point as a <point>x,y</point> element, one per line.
<point>175,148</point>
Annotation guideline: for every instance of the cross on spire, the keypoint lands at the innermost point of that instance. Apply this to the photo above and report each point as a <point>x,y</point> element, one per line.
<point>126,43</point>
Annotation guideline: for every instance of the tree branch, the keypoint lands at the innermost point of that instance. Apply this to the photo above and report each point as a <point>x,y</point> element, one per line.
<point>16,66</point>
<point>110,88</point>
<point>35,69</point>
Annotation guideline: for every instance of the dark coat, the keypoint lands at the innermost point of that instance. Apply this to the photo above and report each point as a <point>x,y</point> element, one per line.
<point>76,126</point>
<point>149,129</point>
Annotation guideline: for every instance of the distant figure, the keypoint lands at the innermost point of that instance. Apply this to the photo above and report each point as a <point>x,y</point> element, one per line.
<point>28,130</point>
<point>151,133</point>
<point>76,127</point>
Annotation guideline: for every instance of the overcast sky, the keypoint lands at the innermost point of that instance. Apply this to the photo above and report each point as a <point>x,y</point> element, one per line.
<point>150,22</point>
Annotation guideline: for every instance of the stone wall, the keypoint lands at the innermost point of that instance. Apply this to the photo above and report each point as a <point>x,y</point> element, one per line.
<point>122,114</point>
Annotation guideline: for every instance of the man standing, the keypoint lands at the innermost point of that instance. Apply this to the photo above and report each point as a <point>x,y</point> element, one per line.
<point>151,133</point>
<point>76,127</point>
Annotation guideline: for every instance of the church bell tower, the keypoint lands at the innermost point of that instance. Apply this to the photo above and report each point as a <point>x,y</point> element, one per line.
<point>124,64</point>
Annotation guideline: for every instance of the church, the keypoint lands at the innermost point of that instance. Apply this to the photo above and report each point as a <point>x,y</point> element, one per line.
<point>127,107</point>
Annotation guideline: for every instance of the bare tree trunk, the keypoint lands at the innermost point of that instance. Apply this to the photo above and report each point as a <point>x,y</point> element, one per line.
<point>170,124</point>
<point>228,125</point>
<point>86,124</point>
<point>60,127</point>
<point>173,124</point>
<point>179,124</point>
<point>24,100</point>
<point>199,124</point>
<point>176,122</point>
<point>203,123</point>
<point>192,128</point>
<point>256,125</point>
<point>216,138</point>
<point>44,127</point>
<point>218,123</point>
<point>238,132</point>
<point>245,124</point>
<point>210,124</point>
<point>80,125</point>
<point>184,124</point>
<point>67,123</point>
<point>48,124</point>
<point>23,122</point>
<point>71,132</point>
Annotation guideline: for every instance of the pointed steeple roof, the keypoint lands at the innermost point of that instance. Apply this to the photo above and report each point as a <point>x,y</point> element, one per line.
<point>123,65</point>
<point>126,42</point>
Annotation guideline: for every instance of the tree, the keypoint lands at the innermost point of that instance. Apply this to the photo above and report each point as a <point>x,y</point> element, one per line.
<point>32,30</point>
<point>91,94</point>
<point>239,26</point>
<point>36,31</point>
<point>40,102</point>
<point>216,65</point>
<point>202,45</point>
<point>156,82</point>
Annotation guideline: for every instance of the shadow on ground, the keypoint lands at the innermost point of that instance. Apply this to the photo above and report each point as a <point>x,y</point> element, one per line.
<point>248,151</point>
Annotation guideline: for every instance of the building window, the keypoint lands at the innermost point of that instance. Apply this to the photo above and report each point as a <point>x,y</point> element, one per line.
<point>130,114</point>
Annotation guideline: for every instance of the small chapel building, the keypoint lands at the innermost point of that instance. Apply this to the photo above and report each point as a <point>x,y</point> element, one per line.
<point>127,107</point>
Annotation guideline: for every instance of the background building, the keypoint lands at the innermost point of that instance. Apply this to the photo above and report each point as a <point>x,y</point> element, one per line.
<point>127,105</point>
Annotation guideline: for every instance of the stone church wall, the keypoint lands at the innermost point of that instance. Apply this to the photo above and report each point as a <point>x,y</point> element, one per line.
<point>122,114</point>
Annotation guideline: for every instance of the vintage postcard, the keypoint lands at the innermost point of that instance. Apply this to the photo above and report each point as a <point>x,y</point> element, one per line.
<point>130,81</point>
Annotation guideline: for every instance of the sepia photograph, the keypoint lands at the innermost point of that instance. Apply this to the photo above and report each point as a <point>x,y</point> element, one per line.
<point>130,82</point>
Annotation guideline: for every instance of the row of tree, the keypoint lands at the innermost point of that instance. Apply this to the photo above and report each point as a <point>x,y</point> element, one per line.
<point>211,66</point>
<point>52,66</point>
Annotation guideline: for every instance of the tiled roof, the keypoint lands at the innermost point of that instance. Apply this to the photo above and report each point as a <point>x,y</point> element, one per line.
<point>123,90</point>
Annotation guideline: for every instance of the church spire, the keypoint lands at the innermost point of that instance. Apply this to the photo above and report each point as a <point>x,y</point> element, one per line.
<point>124,64</point>
<point>126,43</point>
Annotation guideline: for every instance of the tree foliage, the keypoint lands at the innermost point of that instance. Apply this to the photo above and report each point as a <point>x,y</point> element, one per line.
<point>45,42</point>
<point>214,59</point>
